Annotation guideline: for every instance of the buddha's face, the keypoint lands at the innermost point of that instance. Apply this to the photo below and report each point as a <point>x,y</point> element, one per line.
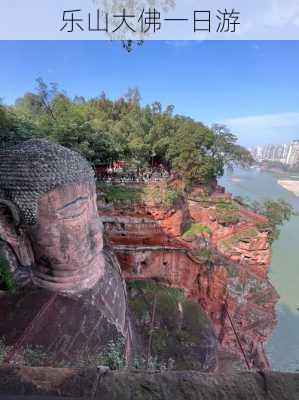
<point>65,246</point>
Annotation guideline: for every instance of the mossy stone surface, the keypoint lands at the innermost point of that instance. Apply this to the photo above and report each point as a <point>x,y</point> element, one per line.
<point>181,329</point>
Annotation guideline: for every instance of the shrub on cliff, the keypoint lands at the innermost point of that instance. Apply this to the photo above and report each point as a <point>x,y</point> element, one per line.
<point>192,230</point>
<point>161,195</point>
<point>113,356</point>
<point>6,279</point>
<point>277,212</point>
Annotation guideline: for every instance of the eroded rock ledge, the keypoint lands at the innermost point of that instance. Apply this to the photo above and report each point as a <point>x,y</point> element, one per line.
<point>208,245</point>
<point>95,384</point>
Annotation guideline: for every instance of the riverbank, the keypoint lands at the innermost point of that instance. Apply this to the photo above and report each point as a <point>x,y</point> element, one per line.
<point>282,348</point>
<point>291,186</point>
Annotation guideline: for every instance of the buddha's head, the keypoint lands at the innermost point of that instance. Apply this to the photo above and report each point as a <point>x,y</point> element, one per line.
<point>48,215</point>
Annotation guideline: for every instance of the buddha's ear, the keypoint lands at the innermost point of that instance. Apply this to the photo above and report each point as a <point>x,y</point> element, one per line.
<point>13,209</point>
<point>13,234</point>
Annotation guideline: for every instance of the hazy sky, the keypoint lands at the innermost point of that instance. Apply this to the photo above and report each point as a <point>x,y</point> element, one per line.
<point>251,86</point>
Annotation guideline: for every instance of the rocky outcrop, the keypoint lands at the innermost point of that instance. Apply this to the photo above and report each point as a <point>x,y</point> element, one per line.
<point>212,248</point>
<point>173,332</point>
<point>130,385</point>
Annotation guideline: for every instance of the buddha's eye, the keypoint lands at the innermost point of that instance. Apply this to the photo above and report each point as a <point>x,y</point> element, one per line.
<point>74,209</point>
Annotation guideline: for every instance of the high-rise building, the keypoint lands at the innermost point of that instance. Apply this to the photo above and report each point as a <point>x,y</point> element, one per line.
<point>284,153</point>
<point>293,153</point>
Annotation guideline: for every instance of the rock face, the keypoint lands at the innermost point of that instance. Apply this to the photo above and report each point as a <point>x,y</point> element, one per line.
<point>174,332</point>
<point>212,248</point>
<point>129,385</point>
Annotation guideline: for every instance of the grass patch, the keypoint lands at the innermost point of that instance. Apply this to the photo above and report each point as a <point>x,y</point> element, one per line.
<point>205,201</point>
<point>119,193</point>
<point>196,229</point>
<point>228,205</point>
<point>234,240</point>
<point>227,212</point>
<point>6,277</point>
<point>160,195</point>
<point>205,254</point>
<point>150,194</point>
<point>151,288</point>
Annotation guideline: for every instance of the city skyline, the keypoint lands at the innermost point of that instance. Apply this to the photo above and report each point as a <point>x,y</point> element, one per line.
<point>286,153</point>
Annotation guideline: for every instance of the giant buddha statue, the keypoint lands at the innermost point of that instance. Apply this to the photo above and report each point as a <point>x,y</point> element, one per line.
<point>71,300</point>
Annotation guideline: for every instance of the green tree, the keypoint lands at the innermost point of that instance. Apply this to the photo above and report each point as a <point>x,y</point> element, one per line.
<point>104,130</point>
<point>226,151</point>
<point>13,129</point>
<point>277,212</point>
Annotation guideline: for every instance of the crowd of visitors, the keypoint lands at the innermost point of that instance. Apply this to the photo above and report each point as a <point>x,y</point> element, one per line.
<point>123,175</point>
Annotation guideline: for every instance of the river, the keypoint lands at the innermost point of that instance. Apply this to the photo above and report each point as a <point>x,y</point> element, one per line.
<point>283,346</point>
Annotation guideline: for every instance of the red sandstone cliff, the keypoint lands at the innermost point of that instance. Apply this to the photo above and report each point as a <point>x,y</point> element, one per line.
<point>221,261</point>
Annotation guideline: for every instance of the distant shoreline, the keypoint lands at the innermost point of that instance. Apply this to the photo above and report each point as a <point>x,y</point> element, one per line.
<point>279,172</point>
<point>291,186</point>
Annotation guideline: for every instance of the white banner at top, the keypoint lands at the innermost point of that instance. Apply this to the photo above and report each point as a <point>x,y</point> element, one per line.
<point>149,19</point>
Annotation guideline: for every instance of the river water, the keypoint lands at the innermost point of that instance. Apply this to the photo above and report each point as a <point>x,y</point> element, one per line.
<point>283,346</point>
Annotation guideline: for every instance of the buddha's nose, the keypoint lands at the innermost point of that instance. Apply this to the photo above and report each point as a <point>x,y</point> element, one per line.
<point>96,233</point>
<point>96,226</point>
